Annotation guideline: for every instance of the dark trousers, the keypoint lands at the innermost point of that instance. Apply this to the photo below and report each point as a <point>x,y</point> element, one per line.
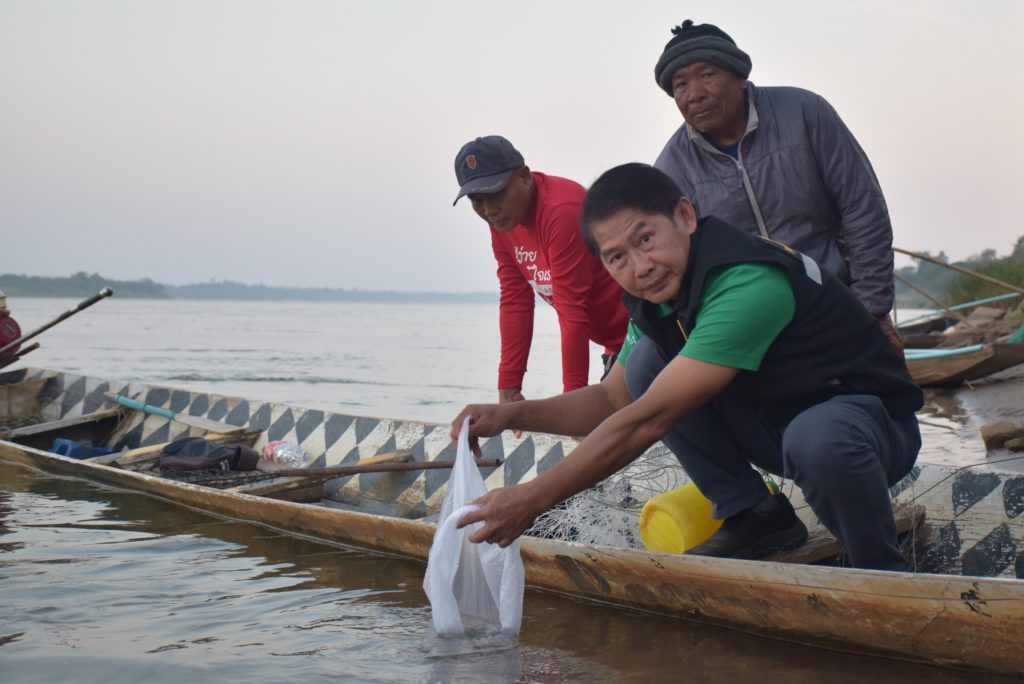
<point>844,454</point>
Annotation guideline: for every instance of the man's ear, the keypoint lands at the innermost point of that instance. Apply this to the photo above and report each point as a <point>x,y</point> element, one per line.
<point>686,215</point>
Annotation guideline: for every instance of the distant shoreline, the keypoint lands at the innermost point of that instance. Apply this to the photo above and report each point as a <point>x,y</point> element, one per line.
<point>81,285</point>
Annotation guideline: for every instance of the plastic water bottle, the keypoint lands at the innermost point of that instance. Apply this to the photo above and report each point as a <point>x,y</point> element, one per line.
<point>285,453</point>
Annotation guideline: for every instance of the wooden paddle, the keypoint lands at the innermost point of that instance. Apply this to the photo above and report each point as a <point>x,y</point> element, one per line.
<point>105,292</point>
<point>192,421</point>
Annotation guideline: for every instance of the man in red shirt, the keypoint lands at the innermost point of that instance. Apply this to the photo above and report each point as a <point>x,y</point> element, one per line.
<point>535,233</point>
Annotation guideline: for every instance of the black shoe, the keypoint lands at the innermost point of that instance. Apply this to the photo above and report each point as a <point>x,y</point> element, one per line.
<point>751,534</point>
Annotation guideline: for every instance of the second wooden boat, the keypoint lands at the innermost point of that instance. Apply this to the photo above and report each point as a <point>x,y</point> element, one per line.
<point>939,367</point>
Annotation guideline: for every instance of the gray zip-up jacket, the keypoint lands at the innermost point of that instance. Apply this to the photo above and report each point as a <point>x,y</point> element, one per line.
<point>801,179</point>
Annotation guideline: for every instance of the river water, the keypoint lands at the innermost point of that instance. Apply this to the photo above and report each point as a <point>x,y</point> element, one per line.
<point>102,585</point>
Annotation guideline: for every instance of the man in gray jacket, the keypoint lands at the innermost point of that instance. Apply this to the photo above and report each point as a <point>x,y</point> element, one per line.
<point>776,162</point>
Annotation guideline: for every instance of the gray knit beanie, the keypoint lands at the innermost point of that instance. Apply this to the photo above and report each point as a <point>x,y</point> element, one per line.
<point>691,44</point>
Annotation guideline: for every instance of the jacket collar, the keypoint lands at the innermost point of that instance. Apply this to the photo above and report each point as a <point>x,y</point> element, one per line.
<point>698,138</point>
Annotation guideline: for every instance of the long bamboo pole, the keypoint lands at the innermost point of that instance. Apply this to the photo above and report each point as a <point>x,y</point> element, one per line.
<point>343,471</point>
<point>313,477</point>
<point>105,292</point>
<point>960,269</point>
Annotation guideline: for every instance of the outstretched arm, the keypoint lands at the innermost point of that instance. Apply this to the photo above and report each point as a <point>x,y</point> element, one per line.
<point>573,413</point>
<point>681,387</point>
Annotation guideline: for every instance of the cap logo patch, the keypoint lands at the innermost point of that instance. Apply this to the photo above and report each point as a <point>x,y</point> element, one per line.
<point>471,162</point>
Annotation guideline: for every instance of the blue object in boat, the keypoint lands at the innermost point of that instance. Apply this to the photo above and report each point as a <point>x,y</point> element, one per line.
<point>73,449</point>
<point>1017,337</point>
<point>913,354</point>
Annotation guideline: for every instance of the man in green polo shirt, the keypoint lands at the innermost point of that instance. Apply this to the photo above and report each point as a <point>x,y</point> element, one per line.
<point>740,353</point>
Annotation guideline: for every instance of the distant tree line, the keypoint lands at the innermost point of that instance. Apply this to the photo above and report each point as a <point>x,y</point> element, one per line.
<point>82,285</point>
<point>1008,269</point>
<point>942,283</point>
<point>950,287</point>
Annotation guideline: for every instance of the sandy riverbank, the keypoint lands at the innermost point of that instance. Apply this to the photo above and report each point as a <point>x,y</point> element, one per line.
<point>952,418</point>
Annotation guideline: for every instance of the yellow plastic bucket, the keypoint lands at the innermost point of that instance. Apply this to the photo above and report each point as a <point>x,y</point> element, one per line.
<point>679,519</point>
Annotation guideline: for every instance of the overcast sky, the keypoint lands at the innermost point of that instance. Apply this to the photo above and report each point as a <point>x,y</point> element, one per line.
<point>311,143</point>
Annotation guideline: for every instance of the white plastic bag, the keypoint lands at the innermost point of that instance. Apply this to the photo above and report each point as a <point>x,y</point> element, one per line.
<point>479,582</point>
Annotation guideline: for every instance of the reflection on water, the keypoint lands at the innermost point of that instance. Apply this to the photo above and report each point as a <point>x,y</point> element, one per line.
<point>102,585</point>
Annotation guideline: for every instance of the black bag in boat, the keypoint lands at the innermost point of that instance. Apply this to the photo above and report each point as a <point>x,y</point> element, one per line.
<point>195,453</point>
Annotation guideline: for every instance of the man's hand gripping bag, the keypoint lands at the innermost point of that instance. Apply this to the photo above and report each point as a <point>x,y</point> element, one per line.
<point>481,584</point>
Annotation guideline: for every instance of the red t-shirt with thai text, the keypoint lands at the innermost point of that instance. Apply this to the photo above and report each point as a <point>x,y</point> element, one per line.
<point>546,255</point>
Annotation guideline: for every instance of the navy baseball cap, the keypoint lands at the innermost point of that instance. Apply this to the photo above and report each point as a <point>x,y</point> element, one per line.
<point>485,165</point>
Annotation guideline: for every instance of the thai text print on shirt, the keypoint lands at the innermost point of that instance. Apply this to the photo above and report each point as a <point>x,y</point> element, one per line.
<point>536,270</point>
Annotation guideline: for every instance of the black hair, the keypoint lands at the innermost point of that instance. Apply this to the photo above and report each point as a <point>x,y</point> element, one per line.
<point>629,186</point>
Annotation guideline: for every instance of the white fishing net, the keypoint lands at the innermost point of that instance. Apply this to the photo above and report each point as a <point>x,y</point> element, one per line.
<point>608,513</point>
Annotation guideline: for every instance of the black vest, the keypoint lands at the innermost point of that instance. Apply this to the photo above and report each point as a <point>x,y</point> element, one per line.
<point>832,346</point>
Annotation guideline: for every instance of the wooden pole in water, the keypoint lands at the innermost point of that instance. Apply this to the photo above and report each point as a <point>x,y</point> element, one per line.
<point>960,269</point>
<point>105,292</point>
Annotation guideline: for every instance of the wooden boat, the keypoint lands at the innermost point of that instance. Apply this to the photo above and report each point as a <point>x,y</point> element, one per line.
<point>939,367</point>
<point>963,608</point>
<point>937,321</point>
<point>932,324</point>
